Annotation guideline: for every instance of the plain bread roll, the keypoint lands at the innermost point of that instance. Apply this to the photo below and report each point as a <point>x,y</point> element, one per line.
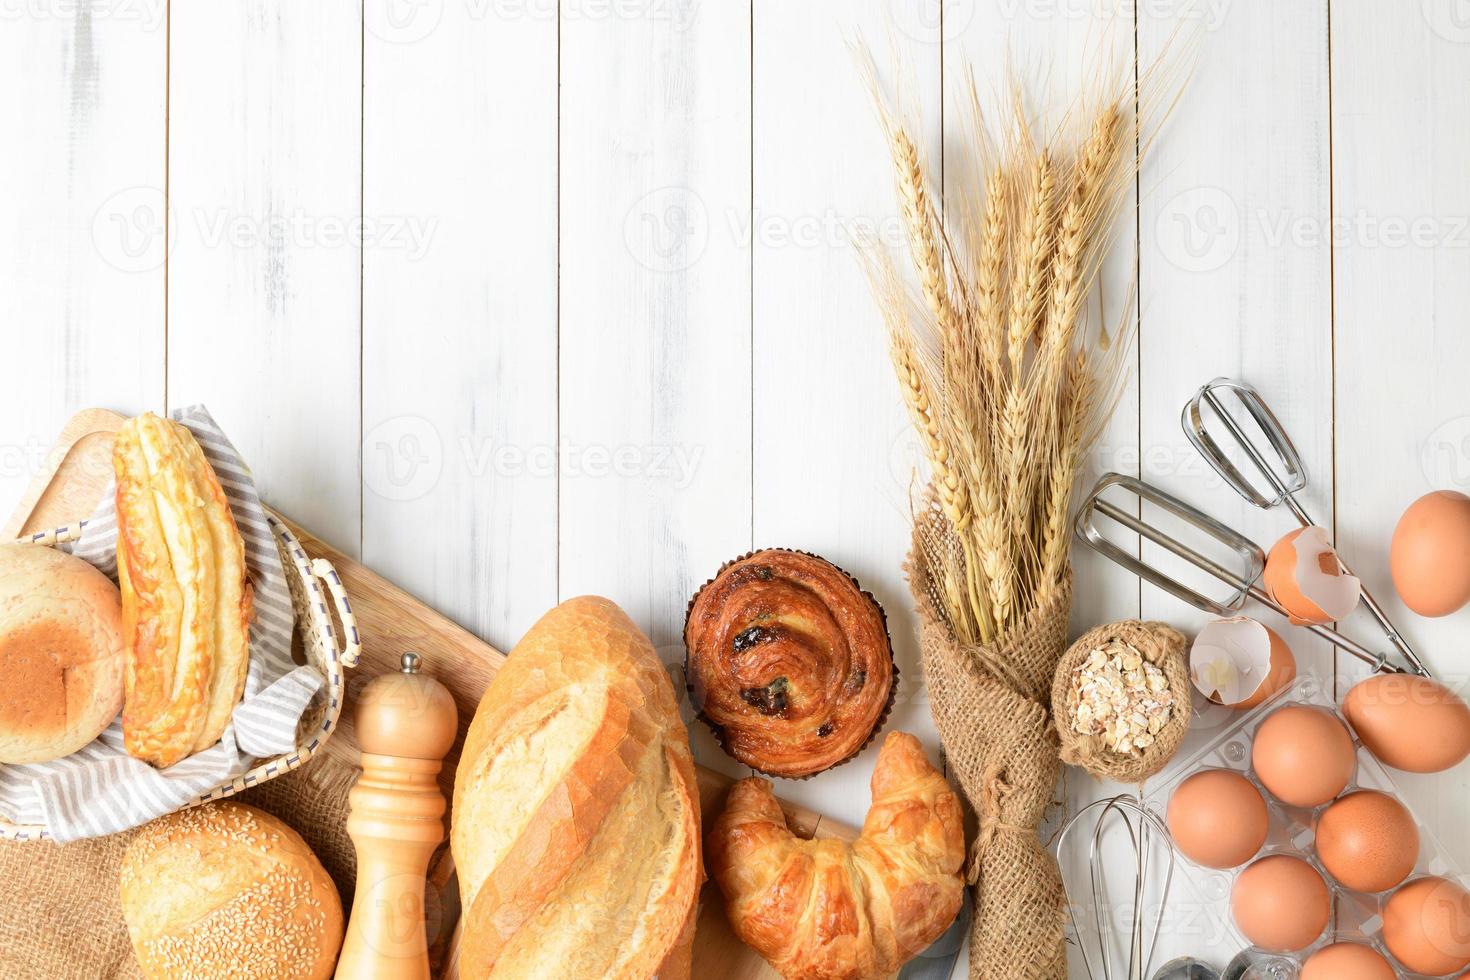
<point>61,653</point>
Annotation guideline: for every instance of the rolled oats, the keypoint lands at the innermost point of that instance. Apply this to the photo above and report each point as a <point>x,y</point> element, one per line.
<point>1120,697</point>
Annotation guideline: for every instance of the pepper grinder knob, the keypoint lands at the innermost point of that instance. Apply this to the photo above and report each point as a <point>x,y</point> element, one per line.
<point>406,713</point>
<point>406,722</point>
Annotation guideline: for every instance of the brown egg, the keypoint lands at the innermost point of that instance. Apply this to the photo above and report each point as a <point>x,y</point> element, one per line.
<point>1346,961</point>
<point>1280,903</point>
<point>1430,554</point>
<point>1303,755</point>
<point>1368,841</point>
<point>1218,818</point>
<point>1426,926</point>
<point>1409,722</point>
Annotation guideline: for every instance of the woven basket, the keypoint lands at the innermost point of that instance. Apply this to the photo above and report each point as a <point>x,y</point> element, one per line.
<point>311,581</point>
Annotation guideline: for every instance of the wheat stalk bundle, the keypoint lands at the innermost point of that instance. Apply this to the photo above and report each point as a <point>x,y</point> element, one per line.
<point>1006,379</point>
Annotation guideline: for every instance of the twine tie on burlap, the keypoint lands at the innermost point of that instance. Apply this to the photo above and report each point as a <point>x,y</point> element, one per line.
<point>992,795</point>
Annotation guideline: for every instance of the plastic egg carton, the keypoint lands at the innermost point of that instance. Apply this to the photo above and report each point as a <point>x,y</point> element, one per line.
<point>1197,914</point>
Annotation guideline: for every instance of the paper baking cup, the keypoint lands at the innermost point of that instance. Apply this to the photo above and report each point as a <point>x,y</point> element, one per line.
<point>718,730</point>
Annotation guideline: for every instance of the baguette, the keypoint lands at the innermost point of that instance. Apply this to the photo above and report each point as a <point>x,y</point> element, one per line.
<point>576,813</point>
<point>184,603</point>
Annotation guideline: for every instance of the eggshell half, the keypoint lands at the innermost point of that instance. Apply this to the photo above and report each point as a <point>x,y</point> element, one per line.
<point>1346,961</point>
<point>1305,577</point>
<point>1280,903</point>
<point>1368,841</point>
<point>1303,755</point>
<point>1239,662</point>
<point>1430,554</point>
<point>1426,926</point>
<point>1409,722</point>
<point>1218,818</point>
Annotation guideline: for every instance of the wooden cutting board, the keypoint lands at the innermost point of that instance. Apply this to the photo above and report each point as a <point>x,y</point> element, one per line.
<point>390,621</point>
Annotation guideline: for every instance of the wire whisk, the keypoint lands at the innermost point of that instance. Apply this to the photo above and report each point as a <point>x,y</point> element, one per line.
<point>1111,943</point>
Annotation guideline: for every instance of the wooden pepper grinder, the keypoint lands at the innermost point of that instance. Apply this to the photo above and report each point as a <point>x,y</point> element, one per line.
<point>406,722</point>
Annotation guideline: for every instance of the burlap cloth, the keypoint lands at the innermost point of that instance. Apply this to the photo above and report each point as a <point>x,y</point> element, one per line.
<point>1162,646</point>
<point>60,918</point>
<point>992,708</point>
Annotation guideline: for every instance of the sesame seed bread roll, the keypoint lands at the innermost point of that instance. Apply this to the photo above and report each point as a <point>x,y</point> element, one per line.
<point>224,891</point>
<point>576,814</point>
<point>61,653</point>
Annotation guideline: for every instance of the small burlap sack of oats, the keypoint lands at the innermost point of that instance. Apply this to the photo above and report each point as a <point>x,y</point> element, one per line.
<point>1120,699</point>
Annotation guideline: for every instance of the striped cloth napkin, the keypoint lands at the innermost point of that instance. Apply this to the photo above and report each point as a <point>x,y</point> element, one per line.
<point>100,789</point>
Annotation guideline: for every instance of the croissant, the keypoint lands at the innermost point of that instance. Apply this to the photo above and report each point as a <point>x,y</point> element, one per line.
<point>833,910</point>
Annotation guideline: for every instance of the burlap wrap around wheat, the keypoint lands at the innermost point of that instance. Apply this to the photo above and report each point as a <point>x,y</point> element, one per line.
<point>991,705</point>
<point>59,910</point>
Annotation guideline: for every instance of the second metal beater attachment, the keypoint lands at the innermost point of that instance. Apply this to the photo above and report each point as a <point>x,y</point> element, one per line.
<point>1278,464</point>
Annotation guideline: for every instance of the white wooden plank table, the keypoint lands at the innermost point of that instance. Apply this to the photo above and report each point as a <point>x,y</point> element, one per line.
<point>518,301</point>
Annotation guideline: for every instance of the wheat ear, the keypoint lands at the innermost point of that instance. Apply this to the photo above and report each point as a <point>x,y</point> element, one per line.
<point>978,392</point>
<point>918,215</point>
<point>990,278</point>
<point>954,495</point>
<point>950,488</point>
<point>1033,252</point>
<point>1075,229</point>
<point>954,499</point>
<point>1067,374</point>
<point>1074,424</point>
<point>1027,300</point>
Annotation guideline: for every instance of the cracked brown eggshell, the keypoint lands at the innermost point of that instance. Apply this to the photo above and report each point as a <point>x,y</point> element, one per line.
<point>1239,662</point>
<point>1305,577</point>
